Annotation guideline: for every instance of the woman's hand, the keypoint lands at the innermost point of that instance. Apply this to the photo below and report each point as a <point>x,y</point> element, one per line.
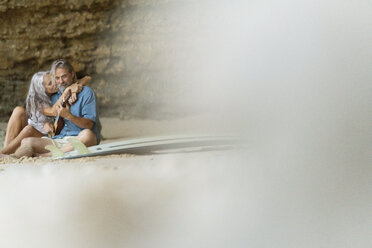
<point>75,88</point>
<point>73,98</point>
<point>48,128</point>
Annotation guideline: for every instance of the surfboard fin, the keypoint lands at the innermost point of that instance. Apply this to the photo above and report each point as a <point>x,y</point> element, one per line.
<point>78,146</point>
<point>56,152</point>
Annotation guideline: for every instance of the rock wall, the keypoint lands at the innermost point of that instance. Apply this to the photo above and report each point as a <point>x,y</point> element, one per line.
<point>127,46</point>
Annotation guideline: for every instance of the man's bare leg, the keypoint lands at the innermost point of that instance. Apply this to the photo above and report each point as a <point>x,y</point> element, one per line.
<point>32,146</point>
<point>28,131</point>
<point>17,121</point>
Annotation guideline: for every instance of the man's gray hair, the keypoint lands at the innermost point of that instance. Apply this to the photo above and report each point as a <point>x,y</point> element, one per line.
<point>37,98</point>
<point>61,63</point>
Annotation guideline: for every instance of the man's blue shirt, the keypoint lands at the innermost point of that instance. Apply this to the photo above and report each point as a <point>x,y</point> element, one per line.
<point>85,107</point>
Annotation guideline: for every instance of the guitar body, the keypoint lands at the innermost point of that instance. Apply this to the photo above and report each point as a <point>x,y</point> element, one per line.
<point>59,125</point>
<point>59,122</point>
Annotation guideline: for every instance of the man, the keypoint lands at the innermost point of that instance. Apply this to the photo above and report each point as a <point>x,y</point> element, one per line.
<point>81,119</point>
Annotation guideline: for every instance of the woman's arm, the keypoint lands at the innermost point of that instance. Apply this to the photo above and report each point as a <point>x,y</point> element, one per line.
<point>52,111</point>
<point>85,80</point>
<point>75,88</point>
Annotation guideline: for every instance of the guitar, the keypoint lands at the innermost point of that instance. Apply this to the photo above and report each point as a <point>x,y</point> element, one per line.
<point>59,122</point>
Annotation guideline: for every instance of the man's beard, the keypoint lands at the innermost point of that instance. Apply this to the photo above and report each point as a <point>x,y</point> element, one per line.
<point>63,86</point>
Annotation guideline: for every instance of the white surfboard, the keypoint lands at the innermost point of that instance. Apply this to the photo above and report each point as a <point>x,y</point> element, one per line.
<point>153,144</point>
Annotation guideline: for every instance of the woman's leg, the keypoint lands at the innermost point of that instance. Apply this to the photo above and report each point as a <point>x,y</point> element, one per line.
<point>32,146</point>
<point>17,121</point>
<point>28,131</point>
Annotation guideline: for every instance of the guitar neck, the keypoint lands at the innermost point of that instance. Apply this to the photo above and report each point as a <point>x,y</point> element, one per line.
<point>66,98</point>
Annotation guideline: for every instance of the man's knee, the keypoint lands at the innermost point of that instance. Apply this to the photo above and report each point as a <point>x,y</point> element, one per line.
<point>88,137</point>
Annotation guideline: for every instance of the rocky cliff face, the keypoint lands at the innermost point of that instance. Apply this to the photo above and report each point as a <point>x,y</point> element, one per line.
<point>126,46</point>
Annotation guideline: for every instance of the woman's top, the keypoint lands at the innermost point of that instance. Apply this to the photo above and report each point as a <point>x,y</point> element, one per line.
<point>38,122</point>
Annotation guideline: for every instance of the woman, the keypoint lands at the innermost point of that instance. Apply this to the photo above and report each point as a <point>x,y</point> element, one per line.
<point>38,105</point>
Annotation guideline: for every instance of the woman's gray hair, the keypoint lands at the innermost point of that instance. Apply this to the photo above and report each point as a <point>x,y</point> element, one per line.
<point>37,98</point>
<point>61,63</point>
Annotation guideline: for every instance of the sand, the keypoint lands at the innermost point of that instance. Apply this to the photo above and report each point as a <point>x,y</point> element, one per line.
<point>243,197</point>
<point>117,200</point>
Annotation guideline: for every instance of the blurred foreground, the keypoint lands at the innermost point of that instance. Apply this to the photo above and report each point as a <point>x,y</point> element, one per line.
<point>270,193</point>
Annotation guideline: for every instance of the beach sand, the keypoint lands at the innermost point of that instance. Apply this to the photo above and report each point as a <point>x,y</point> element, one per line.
<point>243,197</point>
<point>116,200</point>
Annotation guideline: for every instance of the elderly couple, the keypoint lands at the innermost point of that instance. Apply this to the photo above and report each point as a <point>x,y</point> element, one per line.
<point>27,128</point>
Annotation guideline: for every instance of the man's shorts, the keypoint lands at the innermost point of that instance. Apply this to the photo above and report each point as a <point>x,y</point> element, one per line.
<point>59,142</point>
